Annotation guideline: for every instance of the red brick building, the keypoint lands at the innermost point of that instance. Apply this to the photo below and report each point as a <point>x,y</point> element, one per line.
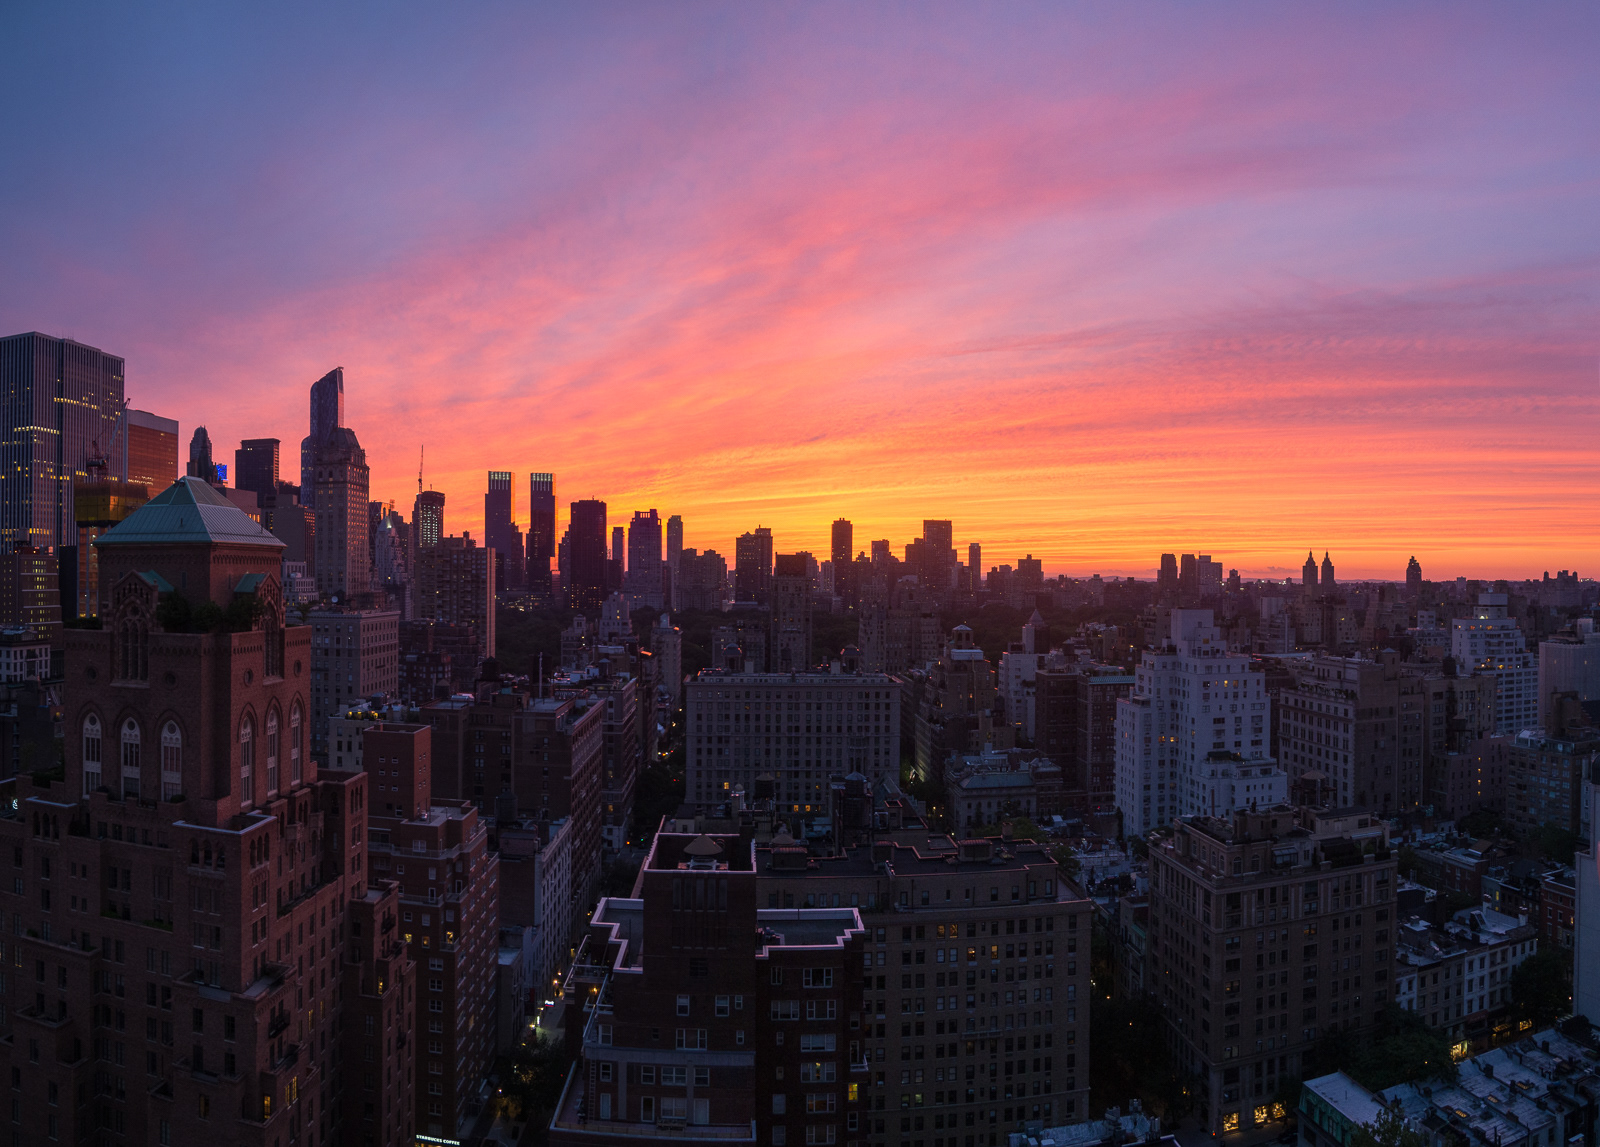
<point>195,944</point>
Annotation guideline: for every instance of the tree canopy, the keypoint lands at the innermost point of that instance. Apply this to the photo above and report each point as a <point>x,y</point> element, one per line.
<point>1541,987</point>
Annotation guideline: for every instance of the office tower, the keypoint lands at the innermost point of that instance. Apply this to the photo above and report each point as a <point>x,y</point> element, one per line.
<point>1268,882</point>
<point>1308,574</point>
<point>427,520</point>
<point>201,464</point>
<point>1075,722</point>
<point>30,594</point>
<point>842,551</point>
<point>541,532</point>
<point>975,567</point>
<point>455,584</point>
<point>437,854</point>
<point>63,405</point>
<point>1327,572</point>
<point>881,556</point>
<point>239,917</point>
<point>339,480</point>
<point>1208,576</point>
<point>1176,756</point>
<point>752,566</point>
<point>674,558</point>
<point>327,414</point>
<point>355,656</point>
<point>152,450</point>
<point>719,756</point>
<point>666,646</point>
<point>586,555</point>
<point>255,466</point>
<point>1167,575</point>
<point>619,547</point>
<point>1491,643</point>
<point>1188,578</point>
<point>643,581</point>
<point>702,581</point>
<point>687,1045</point>
<point>938,554</point>
<point>790,647</point>
<point>500,531</point>
<point>1029,578</point>
<point>1413,578</point>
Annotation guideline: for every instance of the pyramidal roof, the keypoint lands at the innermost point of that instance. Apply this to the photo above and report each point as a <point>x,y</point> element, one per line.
<point>188,512</point>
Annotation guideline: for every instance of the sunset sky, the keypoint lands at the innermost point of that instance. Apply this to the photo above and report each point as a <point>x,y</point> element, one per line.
<point>1095,281</point>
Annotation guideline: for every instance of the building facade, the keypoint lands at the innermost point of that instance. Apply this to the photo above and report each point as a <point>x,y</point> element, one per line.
<point>355,655</point>
<point>340,480</point>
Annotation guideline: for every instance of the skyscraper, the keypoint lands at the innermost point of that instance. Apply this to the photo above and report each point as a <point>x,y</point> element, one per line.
<point>152,450</point>
<point>674,558</point>
<point>1327,572</point>
<point>541,531</point>
<point>1167,575</point>
<point>790,646</point>
<point>201,464</point>
<point>643,582</point>
<point>975,567</point>
<point>843,553</point>
<point>1308,574</point>
<point>500,531</point>
<point>340,482</point>
<point>938,554</point>
<point>63,402</point>
<point>427,521</point>
<point>255,466</point>
<point>752,565</point>
<point>1413,577</point>
<point>586,555</point>
<point>327,413</point>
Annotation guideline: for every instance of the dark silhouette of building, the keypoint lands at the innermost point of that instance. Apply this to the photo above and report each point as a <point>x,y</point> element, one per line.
<point>455,584</point>
<point>1308,574</point>
<point>201,463</point>
<point>152,450</point>
<point>500,531</point>
<point>674,559</point>
<point>255,466</point>
<point>842,552</point>
<point>643,583</point>
<point>586,555</point>
<point>541,531</point>
<point>752,566</point>
<point>427,520</point>
<point>63,404</point>
<point>327,414</point>
<point>340,480</point>
<point>938,556</point>
<point>790,647</point>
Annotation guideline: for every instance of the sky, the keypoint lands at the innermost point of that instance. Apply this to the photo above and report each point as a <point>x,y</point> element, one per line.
<point>1094,281</point>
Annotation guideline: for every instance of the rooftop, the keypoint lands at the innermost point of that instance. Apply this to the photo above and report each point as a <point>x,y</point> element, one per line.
<point>188,512</point>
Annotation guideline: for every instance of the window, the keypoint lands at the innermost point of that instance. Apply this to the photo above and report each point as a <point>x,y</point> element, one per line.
<point>780,1103</point>
<point>674,1077</point>
<point>785,1009</point>
<point>272,752</point>
<point>171,761</point>
<point>683,1005</point>
<point>822,1009</point>
<point>294,744</point>
<point>91,754</point>
<point>691,1039</point>
<point>647,1109</point>
<point>130,758</point>
<point>820,1102</point>
<point>818,977</point>
<point>247,761</point>
<point>722,1006</point>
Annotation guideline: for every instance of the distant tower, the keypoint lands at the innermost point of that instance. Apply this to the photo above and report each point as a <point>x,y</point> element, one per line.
<point>1413,577</point>
<point>541,531</point>
<point>752,571</point>
<point>975,567</point>
<point>1167,575</point>
<point>327,414</point>
<point>674,557</point>
<point>843,552</point>
<point>200,464</point>
<point>500,531</point>
<point>790,647</point>
<point>255,466</point>
<point>643,581</point>
<point>586,556</point>
<point>340,482</point>
<point>1327,572</point>
<point>1308,573</point>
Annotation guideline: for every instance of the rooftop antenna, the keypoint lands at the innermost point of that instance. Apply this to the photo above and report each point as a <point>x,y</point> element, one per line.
<point>422,452</point>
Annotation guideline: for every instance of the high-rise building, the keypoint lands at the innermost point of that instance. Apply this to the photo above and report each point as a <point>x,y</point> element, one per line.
<point>586,540</point>
<point>500,531</point>
<point>201,463</point>
<point>1270,883</point>
<point>250,918</point>
<point>30,593</point>
<point>1167,576</point>
<point>881,554</point>
<point>1327,573</point>
<point>455,584</point>
<point>255,466</point>
<point>541,531</point>
<point>1413,577</point>
<point>842,551</point>
<point>789,651</point>
<point>674,558</point>
<point>1490,642</point>
<point>752,566</point>
<point>1570,663</point>
<point>938,554</point>
<point>355,656</point>
<point>1308,574</point>
<point>340,495</point>
<point>702,581</point>
<point>427,520</point>
<point>63,405</point>
<point>643,581</point>
<point>327,414</point>
<point>975,567</point>
<point>152,450</point>
<point>448,924</point>
<point>1075,725</point>
<point>1192,737</point>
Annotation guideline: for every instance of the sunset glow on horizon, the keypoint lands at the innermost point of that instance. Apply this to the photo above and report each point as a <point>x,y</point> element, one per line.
<point>1093,282</point>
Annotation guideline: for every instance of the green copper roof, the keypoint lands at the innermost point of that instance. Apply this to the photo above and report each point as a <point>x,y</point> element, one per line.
<point>188,512</point>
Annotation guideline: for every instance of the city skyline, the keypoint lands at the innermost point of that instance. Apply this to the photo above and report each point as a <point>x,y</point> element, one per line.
<point>1090,288</point>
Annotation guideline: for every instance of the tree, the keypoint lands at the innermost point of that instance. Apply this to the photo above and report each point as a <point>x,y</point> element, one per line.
<point>1555,843</point>
<point>1400,1048</point>
<point>1541,987</point>
<point>1389,1129</point>
<point>1021,829</point>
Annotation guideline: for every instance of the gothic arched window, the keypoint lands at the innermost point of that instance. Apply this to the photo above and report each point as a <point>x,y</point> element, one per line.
<point>130,758</point>
<point>294,745</point>
<point>247,761</point>
<point>171,760</point>
<point>91,754</point>
<point>272,752</point>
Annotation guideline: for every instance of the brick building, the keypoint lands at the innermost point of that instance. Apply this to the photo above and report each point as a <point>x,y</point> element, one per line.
<point>1293,901</point>
<point>355,655</point>
<point>436,853</point>
<point>695,1014</point>
<point>198,950</point>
